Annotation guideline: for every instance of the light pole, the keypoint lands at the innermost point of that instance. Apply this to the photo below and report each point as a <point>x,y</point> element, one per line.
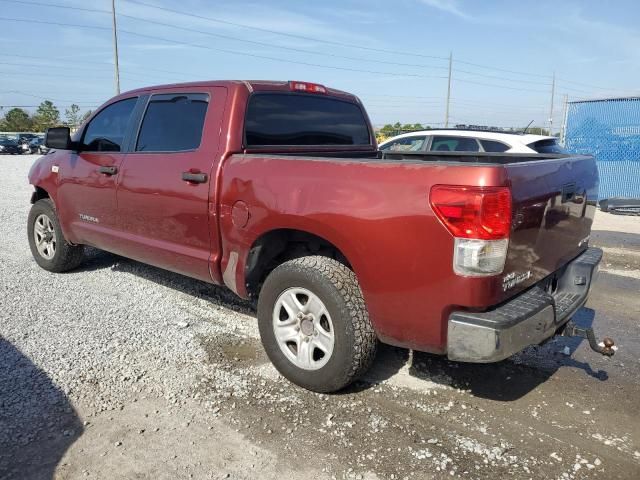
<point>115,47</point>
<point>446,113</point>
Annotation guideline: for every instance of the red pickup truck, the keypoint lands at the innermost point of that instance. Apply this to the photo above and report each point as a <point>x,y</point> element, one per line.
<point>277,190</point>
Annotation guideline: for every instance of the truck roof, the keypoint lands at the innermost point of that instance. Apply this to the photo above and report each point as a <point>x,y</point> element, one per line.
<point>251,85</point>
<point>508,137</point>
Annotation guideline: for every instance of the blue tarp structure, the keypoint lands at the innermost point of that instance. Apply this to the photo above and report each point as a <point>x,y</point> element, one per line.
<point>608,129</point>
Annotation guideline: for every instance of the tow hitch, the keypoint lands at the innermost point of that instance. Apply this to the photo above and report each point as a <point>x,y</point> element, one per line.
<point>606,347</point>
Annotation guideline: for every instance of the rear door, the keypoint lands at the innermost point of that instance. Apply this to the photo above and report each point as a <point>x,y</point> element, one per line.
<point>87,179</point>
<point>166,192</point>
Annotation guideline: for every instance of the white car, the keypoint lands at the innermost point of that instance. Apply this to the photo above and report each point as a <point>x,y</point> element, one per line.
<point>471,141</point>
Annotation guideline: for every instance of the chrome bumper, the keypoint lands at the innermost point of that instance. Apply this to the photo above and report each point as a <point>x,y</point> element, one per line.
<point>528,319</point>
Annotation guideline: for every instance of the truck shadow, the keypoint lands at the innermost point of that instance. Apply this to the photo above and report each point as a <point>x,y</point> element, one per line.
<point>37,421</point>
<point>514,377</point>
<point>506,381</point>
<point>100,260</point>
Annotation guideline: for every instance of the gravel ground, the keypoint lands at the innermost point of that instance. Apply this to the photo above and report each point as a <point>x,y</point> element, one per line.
<point>122,370</point>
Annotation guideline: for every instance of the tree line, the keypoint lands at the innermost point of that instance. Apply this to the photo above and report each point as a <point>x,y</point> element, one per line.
<point>47,115</point>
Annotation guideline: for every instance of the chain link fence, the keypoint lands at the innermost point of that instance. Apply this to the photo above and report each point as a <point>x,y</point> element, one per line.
<point>609,130</point>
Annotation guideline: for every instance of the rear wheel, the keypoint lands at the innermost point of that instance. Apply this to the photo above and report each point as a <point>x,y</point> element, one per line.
<point>314,324</point>
<point>48,246</point>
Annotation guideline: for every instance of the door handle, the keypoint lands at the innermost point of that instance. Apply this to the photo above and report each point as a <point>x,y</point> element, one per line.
<point>194,177</point>
<point>108,170</point>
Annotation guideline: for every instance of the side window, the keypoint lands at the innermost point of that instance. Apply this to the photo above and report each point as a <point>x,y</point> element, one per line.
<point>494,147</point>
<point>454,144</point>
<point>107,129</point>
<point>173,123</point>
<point>407,144</point>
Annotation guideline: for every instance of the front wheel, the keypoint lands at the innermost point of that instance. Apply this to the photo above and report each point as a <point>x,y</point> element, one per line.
<point>48,246</point>
<point>314,323</point>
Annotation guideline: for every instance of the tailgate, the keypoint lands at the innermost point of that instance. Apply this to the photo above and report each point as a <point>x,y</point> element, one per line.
<point>554,202</point>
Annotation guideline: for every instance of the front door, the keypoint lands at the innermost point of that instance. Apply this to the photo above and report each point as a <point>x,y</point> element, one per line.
<point>86,195</point>
<point>168,179</point>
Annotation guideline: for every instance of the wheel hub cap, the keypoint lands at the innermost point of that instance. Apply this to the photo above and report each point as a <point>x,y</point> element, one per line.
<point>303,328</point>
<point>307,326</point>
<point>45,236</point>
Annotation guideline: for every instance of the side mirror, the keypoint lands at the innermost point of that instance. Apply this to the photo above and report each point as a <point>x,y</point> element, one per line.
<point>58,138</point>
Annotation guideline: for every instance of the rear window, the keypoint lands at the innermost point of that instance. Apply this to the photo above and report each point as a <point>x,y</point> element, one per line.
<point>494,146</point>
<point>547,146</point>
<point>295,119</point>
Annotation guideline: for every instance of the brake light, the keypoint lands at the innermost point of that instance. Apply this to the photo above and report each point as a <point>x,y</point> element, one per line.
<point>473,212</point>
<point>480,220</point>
<point>307,87</point>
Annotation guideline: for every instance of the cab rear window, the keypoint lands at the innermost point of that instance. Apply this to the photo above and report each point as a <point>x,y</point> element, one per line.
<point>547,146</point>
<point>297,120</point>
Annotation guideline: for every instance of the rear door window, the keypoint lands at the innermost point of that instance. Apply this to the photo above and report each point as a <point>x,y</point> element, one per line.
<point>298,119</point>
<point>173,123</point>
<point>454,144</point>
<point>407,144</point>
<point>107,129</point>
<point>550,145</point>
<point>494,146</point>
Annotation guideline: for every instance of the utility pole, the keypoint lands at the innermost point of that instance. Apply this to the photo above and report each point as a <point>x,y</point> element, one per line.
<point>565,112</point>
<point>115,47</point>
<point>553,89</point>
<point>446,113</point>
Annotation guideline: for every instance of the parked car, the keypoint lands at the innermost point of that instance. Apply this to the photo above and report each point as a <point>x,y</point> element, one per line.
<point>277,190</point>
<point>456,140</point>
<point>9,145</point>
<point>36,145</point>
<point>23,146</point>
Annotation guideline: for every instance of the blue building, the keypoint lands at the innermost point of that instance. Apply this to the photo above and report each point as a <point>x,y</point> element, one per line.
<point>609,129</point>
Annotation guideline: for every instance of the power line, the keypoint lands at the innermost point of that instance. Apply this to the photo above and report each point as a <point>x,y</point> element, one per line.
<point>516,72</point>
<point>266,57</point>
<point>229,37</point>
<point>499,86</point>
<point>68,7</point>
<point>282,47</point>
<point>233,52</point>
<point>291,35</point>
<point>93,62</point>
<point>500,78</point>
<point>348,45</point>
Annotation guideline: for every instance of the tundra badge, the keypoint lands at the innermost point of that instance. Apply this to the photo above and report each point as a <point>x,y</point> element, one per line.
<point>512,279</point>
<point>88,218</point>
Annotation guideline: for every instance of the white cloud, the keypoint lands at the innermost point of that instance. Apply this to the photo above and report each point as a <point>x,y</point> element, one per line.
<point>448,6</point>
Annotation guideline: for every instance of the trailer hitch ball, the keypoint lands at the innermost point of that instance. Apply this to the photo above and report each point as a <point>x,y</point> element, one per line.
<point>609,345</point>
<point>606,347</point>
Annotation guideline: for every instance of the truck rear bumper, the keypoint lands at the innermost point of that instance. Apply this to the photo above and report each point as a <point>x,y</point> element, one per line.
<point>528,319</point>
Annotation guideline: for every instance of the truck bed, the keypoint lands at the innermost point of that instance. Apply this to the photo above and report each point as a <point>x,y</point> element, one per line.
<point>471,157</point>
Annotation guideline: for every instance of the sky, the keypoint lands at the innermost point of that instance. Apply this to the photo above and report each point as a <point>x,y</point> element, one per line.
<point>393,54</point>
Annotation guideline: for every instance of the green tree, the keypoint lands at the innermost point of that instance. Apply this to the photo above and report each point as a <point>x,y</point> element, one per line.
<point>72,114</point>
<point>86,115</point>
<point>387,130</point>
<point>17,120</point>
<point>46,116</point>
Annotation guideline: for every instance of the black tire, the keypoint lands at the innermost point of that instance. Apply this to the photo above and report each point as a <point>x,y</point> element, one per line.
<point>337,287</point>
<point>66,256</point>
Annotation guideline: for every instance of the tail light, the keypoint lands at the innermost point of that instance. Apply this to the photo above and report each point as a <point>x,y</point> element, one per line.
<point>479,218</point>
<point>307,87</point>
